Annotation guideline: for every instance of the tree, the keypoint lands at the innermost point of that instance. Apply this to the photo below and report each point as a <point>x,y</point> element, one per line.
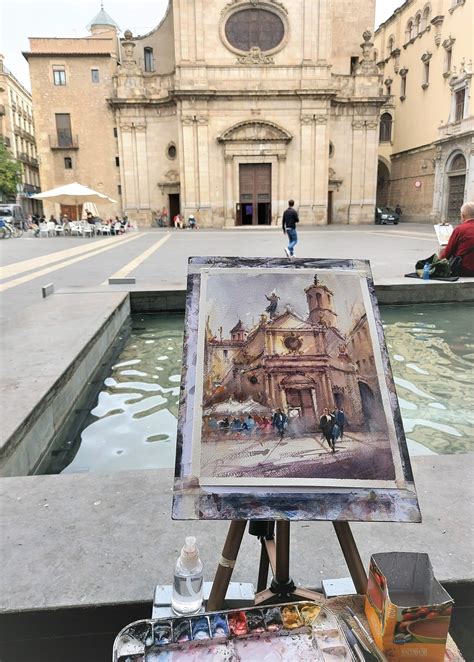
<point>10,174</point>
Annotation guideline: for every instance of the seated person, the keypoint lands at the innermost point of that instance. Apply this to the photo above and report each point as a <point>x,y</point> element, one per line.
<point>461,242</point>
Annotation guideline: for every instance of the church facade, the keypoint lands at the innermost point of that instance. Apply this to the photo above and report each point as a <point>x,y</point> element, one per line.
<point>225,110</point>
<point>298,364</point>
<point>228,109</point>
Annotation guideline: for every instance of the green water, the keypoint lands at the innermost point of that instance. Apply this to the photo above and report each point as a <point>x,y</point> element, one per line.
<point>133,423</point>
<point>432,355</point>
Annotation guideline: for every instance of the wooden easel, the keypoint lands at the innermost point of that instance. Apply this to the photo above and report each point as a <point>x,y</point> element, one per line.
<point>275,553</point>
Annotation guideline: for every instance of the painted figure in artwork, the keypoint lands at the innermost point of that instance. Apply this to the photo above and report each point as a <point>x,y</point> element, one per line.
<point>273,305</point>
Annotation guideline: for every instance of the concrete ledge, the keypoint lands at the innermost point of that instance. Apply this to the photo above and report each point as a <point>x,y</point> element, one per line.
<point>104,539</point>
<point>48,377</point>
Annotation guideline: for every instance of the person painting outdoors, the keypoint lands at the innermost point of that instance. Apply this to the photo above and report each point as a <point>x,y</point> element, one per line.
<point>290,219</point>
<point>461,243</point>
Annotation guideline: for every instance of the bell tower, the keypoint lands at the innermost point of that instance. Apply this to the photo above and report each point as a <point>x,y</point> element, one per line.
<point>320,304</point>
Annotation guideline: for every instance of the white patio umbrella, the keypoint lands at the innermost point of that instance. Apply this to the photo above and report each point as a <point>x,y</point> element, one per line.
<point>74,194</point>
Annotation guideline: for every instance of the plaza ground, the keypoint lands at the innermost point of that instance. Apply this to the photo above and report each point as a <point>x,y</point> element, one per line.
<point>98,540</point>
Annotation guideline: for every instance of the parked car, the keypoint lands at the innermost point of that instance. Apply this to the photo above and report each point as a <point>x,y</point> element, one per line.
<point>13,214</point>
<point>385,215</point>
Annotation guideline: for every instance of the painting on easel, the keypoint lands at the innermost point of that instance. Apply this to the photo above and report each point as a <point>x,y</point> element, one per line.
<point>288,406</point>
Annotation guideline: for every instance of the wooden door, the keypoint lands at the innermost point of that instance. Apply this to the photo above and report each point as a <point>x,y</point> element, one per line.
<point>74,213</point>
<point>456,196</point>
<point>255,181</point>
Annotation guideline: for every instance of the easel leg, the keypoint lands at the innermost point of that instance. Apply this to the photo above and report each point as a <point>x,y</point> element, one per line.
<point>226,565</point>
<point>352,556</point>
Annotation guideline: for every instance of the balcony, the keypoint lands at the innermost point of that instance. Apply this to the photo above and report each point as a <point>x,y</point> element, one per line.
<point>26,158</point>
<point>30,189</point>
<point>63,140</point>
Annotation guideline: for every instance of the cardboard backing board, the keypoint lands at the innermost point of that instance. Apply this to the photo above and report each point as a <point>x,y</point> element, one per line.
<point>288,408</point>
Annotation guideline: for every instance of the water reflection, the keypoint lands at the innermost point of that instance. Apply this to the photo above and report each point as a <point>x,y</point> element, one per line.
<point>431,350</point>
<point>133,425</point>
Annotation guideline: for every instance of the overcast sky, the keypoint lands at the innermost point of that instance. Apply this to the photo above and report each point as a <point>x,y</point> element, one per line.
<point>20,19</point>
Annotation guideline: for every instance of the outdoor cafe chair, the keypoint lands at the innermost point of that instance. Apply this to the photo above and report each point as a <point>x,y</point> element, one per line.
<point>59,229</point>
<point>43,230</point>
<point>87,229</point>
<point>76,229</point>
<point>104,229</point>
<point>51,228</point>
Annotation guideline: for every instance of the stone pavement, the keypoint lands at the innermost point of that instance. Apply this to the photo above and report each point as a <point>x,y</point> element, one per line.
<point>101,539</point>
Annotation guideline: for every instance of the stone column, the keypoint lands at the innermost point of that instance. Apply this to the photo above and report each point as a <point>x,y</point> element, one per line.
<point>142,166</point>
<point>315,403</point>
<point>321,174</point>
<point>436,212</point>
<point>281,197</point>
<point>229,190</point>
<point>306,168</point>
<point>129,191</point>
<point>370,170</point>
<point>308,30</point>
<point>189,166</point>
<point>357,170</point>
<point>202,143</point>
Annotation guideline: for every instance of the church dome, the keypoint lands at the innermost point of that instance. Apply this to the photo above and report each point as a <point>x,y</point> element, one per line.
<point>102,19</point>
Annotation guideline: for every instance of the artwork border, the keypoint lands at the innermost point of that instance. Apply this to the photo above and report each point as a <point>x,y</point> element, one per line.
<point>191,500</point>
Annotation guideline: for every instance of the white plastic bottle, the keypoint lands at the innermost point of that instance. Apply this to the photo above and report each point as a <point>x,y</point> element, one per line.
<point>187,583</point>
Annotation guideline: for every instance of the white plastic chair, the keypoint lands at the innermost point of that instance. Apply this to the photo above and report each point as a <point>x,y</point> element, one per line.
<point>43,230</point>
<point>105,229</point>
<point>117,228</point>
<point>76,229</point>
<point>87,229</point>
<point>59,229</point>
<point>51,228</point>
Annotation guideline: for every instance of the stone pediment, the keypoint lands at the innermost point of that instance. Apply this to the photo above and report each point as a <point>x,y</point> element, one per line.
<point>290,321</point>
<point>255,131</point>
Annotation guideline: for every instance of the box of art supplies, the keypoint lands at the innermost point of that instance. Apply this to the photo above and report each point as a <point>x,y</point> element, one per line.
<point>407,608</point>
<point>299,631</point>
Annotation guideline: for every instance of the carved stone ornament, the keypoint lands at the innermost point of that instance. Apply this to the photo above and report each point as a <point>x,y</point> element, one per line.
<point>172,175</point>
<point>293,342</point>
<point>449,42</point>
<point>388,82</point>
<point>306,119</point>
<point>321,119</point>
<point>403,72</point>
<point>426,57</point>
<point>255,131</point>
<point>367,66</point>
<point>372,124</point>
<point>358,124</point>
<point>256,57</point>
<point>253,3</point>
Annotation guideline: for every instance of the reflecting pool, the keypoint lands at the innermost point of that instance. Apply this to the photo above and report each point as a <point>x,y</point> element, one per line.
<point>432,355</point>
<point>133,422</point>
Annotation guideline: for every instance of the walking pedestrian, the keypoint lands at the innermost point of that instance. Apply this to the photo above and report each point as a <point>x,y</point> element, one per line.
<point>279,421</point>
<point>326,424</point>
<point>290,219</point>
<point>340,419</point>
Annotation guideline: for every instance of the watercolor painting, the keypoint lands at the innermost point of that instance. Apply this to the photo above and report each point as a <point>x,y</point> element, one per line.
<point>291,393</point>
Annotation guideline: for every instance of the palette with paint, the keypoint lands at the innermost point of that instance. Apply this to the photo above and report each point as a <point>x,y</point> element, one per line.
<point>281,631</point>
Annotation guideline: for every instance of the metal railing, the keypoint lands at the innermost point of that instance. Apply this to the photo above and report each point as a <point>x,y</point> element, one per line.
<point>63,140</point>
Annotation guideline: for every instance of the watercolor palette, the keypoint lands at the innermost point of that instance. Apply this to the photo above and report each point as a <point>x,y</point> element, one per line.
<point>284,631</point>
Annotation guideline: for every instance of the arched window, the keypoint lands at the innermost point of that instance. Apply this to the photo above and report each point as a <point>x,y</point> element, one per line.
<point>149,64</point>
<point>426,17</point>
<point>417,25</point>
<point>409,30</point>
<point>385,128</point>
<point>319,299</point>
<point>390,44</point>
<point>458,163</point>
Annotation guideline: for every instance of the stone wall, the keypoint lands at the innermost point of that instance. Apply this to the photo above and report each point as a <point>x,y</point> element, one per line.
<point>412,183</point>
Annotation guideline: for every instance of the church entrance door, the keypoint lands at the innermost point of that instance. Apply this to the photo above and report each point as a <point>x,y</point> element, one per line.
<point>302,399</point>
<point>255,184</point>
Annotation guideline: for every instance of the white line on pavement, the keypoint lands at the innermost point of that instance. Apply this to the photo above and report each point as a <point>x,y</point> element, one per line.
<point>61,265</point>
<point>128,268</point>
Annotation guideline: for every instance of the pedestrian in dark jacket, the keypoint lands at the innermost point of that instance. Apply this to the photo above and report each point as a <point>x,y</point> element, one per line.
<point>326,424</point>
<point>290,219</point>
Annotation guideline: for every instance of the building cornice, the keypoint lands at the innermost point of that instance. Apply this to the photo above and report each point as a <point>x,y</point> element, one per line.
<point>28,54</point>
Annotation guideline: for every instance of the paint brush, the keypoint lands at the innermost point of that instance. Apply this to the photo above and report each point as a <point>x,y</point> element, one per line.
<point>352,641</point>
<point>367,635</point>
<point>367,655</point>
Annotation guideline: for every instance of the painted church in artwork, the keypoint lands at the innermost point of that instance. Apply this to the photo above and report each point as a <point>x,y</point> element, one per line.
<point>300,365</point>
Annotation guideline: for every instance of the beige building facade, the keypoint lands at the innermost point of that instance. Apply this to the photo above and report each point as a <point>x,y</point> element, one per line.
<point>17,131</point>
<point>225,110</point>
<point>71,81</point>
<point>426,155</point>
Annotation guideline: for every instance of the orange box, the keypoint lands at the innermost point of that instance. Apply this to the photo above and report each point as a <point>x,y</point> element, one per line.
<point>407,608</point>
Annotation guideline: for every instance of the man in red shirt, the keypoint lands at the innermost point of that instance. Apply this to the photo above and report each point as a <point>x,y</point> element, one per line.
<point>461,242</point>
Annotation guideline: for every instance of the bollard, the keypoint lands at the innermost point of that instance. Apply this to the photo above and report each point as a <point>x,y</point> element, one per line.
<point>47,290</point>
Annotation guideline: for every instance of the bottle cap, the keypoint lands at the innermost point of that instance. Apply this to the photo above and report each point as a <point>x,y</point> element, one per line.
<point>189,552</point>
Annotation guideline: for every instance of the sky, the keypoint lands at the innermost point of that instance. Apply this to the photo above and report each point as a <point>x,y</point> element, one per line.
<point>20,19</point>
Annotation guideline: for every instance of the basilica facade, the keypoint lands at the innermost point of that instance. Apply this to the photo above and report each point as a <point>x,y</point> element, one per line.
<point>225,110</point>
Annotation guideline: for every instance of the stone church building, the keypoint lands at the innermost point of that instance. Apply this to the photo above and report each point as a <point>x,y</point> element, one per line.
<point>229,108</point>
<point>298,364</point>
